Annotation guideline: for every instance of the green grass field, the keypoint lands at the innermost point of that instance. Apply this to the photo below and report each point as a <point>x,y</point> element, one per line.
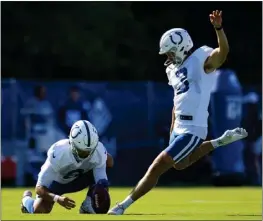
<point>160,204</point>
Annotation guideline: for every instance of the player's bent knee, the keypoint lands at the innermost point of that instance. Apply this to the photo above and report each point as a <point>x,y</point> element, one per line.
<point>161,164</point>
<point>167,158</point>
<point>42,206</point>
<point>163,158</point>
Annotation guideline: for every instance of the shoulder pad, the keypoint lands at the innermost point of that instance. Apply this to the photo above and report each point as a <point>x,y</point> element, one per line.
<point>100,155</point>
<point>58,154</point>
<point>206,49</point>
<point>202,53</point>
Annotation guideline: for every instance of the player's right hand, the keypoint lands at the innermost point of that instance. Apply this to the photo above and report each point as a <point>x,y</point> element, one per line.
<point>216,18</point>
<point>66,202</point>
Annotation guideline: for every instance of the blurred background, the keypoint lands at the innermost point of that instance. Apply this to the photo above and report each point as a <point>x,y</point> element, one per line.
<point>65,61</point>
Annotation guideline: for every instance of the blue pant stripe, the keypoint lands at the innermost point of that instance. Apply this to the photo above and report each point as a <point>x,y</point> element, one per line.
<point>197,143</point>
<point>187,146</point>
<point>181,145</point>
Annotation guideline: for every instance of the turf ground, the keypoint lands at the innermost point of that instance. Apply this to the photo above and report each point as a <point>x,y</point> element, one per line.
<point>160,204</point>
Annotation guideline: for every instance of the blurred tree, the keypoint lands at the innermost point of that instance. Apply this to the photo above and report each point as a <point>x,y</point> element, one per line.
<point>105,40</point>
<point>88,38</point>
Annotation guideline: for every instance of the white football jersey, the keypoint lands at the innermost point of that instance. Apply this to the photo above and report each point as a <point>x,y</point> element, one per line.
<point>192,88</point>
<point>62,167</point>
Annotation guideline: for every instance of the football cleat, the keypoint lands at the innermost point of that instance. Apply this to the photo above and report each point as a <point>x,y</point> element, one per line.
<point>116,210</point>
<point>86,207</point>
<point>231,136</point>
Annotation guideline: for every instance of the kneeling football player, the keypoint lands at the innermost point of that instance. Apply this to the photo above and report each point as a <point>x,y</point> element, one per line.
<point>72,165</point>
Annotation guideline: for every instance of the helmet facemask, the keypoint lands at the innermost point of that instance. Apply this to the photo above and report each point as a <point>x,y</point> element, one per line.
<point>175,58</point>
<point>171,57</point>
<point>81,155</point>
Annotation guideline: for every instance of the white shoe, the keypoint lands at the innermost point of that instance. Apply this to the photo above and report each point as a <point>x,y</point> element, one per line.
<point>116,210</point>
<point>26,193</point>
<point>231,136</point>
<point>86,207</point>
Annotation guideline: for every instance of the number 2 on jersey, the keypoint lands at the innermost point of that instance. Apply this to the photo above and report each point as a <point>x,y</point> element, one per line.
<point>183,86</point>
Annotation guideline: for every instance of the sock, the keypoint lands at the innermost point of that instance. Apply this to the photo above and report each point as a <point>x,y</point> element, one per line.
<point>216,143</point>
<point>28,202</point>
<point>127,202</point>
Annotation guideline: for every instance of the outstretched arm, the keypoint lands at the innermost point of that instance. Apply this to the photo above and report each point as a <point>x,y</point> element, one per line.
<point>218,55</point>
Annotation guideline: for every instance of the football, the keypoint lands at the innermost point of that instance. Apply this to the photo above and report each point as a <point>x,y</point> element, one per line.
<point>100,199</point>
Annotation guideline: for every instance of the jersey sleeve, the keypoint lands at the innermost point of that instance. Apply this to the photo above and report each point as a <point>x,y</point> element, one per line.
<point>99,171</point>
<point>54,157</point>
<point>101,155</point>
<point>47,175</point>
<point>202,53</point>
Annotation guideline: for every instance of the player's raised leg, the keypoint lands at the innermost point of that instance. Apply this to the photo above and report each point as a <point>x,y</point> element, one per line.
<point>182,146</point>
<point>206,147</point>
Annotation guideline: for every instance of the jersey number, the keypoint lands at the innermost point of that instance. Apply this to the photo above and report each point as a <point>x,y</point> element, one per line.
<point>74,174</point>
<point>183,86</point>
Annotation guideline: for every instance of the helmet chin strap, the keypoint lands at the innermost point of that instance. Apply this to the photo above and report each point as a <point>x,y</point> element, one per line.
<point>167,62</point>
<point>177,62</point>
<point>75,154</point>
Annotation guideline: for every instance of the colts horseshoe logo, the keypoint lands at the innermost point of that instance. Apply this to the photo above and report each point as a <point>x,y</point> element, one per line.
<point>75,131</point>
<point>181,38</point>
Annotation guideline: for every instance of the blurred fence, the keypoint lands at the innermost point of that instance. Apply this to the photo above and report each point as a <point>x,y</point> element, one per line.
<point>133,118</point>
<point>133,106</point>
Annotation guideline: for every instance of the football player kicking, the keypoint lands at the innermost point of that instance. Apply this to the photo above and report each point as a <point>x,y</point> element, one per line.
<point>191,74</point>
<point>72,165</point>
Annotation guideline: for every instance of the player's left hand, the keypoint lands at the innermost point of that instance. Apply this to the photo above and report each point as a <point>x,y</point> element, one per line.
<point>216,18</point>
<point>66,202</point>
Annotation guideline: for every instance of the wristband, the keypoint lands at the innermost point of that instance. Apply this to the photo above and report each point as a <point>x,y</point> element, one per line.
<point>218,29</point>
<point>104,183</point>
<point>56,198</point>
